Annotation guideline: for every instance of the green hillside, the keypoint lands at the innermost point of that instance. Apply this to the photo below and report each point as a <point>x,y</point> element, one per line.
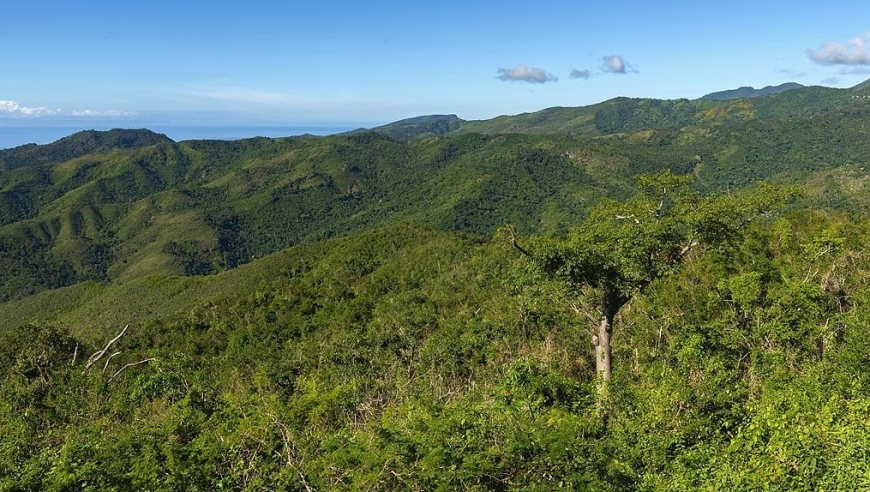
<point>203,206</point>
<point>415,307</point>
<point>412,358</point>
<point>78,145</point>
<point>200,207</point>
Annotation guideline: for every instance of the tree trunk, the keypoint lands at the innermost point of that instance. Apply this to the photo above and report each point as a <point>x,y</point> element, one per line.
<point>601,341</point>
<point>612,302</point>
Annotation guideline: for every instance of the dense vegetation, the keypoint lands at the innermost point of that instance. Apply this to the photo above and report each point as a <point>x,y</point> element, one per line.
<point>409,358</point>
<point>340,313</point>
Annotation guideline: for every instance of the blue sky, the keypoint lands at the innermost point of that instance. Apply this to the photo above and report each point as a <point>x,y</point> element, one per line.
<point>337,62</point>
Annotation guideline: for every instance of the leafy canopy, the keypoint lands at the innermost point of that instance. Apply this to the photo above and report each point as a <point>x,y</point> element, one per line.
<point>623,246</point>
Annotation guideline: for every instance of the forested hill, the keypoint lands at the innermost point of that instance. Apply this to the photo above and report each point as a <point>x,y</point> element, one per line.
<point>202,206</point>
<point>862,86</point>
<point>411,359</point>
<point>624,114</point>
<point>420,126</point>
<point>138,207</point>
<point>78,145</point>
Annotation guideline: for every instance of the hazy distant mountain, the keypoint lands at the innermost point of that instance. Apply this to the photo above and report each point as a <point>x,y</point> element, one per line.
<point>862,86</point>
<point>420,126</point>
<point>429,118</point>
<point>744,92</point>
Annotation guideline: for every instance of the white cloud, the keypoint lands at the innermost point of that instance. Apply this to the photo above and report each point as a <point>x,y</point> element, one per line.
<point>580,74</point>
<point>523,73</point>
<point>12,108</point>
<point>831,81</point>
<point>854,52</point>
<point>616,64</point>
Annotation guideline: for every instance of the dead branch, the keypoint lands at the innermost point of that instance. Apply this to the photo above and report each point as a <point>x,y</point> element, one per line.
<point>99,355</point>
<point>289,449</point>
<point>106,365</point>
<point>43,375</point>
<point>75,354</point>
<point>513,241</point>
<point>131,364</point>
<point>687,248</point>
<point>626,217</point>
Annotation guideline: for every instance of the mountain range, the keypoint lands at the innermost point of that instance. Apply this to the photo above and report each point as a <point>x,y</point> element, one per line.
<point>110,206</point>
<point>623,114</point>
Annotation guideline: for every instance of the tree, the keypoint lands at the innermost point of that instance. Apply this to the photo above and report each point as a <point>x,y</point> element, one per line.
<point>621,248</point>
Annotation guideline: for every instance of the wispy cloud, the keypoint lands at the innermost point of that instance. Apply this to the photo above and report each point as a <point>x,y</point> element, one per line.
<point>831,81</point>
<point>12,108</point>
<point>111,113</point>
<point>855,71</point>
<point>791,73</point>
<point>580,74</point>
<point>616,64</point>
<point>854,52</point>
<point>523,73</point>
<point>238,94</point>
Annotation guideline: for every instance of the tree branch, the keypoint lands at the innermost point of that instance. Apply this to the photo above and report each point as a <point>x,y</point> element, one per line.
<point>626,217</point>
<point>99,355</point>
<point>106,365</point>
<point>131,364</point>
<point>686,249</point>
<point>513,240</point>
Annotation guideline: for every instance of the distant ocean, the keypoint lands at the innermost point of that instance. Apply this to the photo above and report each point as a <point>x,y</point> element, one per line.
<point>15,136</point>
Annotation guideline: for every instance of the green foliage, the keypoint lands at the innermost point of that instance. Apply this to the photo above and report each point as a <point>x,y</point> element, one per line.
<point>623,247</point>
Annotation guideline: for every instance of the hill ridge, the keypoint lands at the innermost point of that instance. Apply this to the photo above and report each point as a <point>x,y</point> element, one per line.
<point>79,144</point>
<point>628,115</point>
<point>749,92</point>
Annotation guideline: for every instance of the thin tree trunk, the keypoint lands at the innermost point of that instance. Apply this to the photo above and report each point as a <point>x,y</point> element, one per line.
<point>602,347</point>
<point>601,341</point>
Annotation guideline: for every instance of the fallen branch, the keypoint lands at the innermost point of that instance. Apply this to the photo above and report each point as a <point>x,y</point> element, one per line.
<point>131,364</point>
<point>99,355</point>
